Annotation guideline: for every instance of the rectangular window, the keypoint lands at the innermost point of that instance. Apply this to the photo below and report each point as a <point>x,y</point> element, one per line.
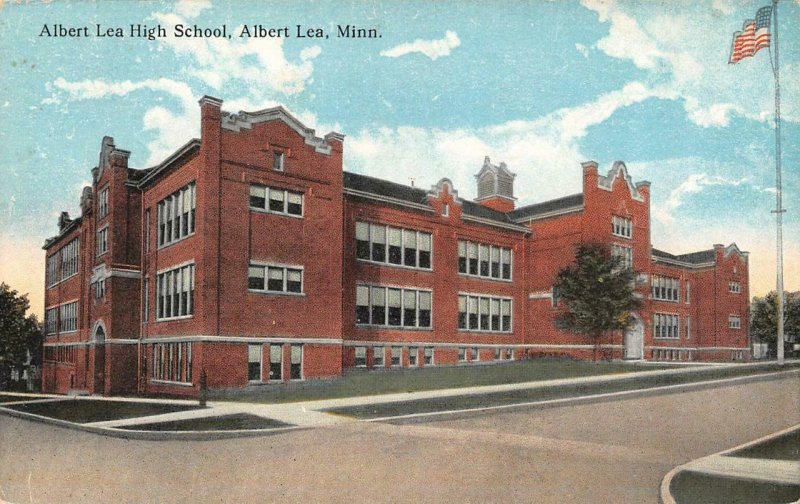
<point>688,292</point>
<point>68,317</point>
<point>254,363</point>
<point>484,260</point>
<point>462,355</point>
<point>484,313</point>
<point>275,362</point>
<point>624,253</point>
<point>428,356</point>
<point>361,356</point>
<point>734,322</point>
<point>146,300</point>
<point>175,293</point>
<point>147,230</point>
<point>621,227</point>
<point>172,362</point>
<point>102,203</point>
<point>666,325</point>
<point>51,320</point>
<point>734,287</point>
<point>476,356</point>
<point>413,352</point>
<point>176,215</point>
<point>102,241</point>
<point>688,328</point>
<point>100,288</point>
<point>275,279</point>
<point>393,246</point>
<point>278,201</point>
<point>377,356</point>
<point>277,161</point>
<point>51,272</point>
<point>393,306</point>
<point>397,355</point>
<point>69,255</point>
<point>665,289</point>
<point>362,241</point>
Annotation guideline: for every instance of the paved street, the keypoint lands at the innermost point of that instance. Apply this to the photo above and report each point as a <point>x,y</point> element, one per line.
<point>610,452</point>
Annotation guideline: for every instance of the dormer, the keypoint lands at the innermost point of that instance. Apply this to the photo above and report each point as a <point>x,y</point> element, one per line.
<point>495,186</point>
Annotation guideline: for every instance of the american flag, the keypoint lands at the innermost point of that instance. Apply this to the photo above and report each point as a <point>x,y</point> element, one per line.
<point>753,37</point>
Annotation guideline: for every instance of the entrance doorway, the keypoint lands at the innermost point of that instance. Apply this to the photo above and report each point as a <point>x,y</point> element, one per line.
<point>634,340</point>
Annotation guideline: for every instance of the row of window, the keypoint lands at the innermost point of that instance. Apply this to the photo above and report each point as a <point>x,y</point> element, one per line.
<point>482,313</point>
<point>666,325</point>
<point>734,287</point>
<point>100,289</point>
<point>621,227</point>
<point>65,354</point>
<point>172,362</point>
<point>624,253</point>
<point>175,293</point>
<point>386,244</point>
<point>271,278</point>
<point>276,200</point>
<point>67,259</point>
<point>176,215</point>
<point>394,307</point>
<point>734,322</point>
<point>62,318</point>
<point>417,355</point>
<point>484,260</point>
<point>666,289</point>
<point>255,367</point>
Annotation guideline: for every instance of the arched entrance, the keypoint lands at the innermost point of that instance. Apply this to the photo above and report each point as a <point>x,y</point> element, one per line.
<point>634,339</point>
<point>99,351</point>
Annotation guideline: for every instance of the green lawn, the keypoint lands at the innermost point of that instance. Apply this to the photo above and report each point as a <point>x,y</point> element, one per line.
<point>240,421</point>
<point>382,410</point>
<point>365,383</point>
<point>89,410</point>
<point>786,447</point>
<point>693,488</point>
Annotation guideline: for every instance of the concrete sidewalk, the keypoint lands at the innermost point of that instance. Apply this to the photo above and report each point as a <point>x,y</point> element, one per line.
<point>312,413</point>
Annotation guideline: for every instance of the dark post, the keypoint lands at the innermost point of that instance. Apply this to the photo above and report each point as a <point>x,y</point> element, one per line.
<point>203,388</point>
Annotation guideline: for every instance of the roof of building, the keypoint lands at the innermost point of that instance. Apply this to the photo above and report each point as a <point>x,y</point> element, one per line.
<point>700,257</point>
<point>68,228</point>
<point>546,207</point>
<point>393,190</point>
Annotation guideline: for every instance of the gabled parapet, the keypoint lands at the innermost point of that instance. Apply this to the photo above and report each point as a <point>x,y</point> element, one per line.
<point>606,183</point>
<point>245,120</point>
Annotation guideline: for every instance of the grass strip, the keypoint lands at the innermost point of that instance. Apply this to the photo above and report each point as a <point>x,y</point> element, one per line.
<point>689,488</point>
<point>469,401</point>
<point>376,382</point>
<point>90,410</point>
<point>239,421</point>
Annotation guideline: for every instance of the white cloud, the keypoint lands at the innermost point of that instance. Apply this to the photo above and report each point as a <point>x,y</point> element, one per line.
<point>192,8</point>
<point>433,49</point>
<point>687,51</point>
<point>583,50</point>
<point>259,63</point>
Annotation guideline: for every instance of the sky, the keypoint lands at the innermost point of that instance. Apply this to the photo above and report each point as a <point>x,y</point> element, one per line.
<point>541,85</point>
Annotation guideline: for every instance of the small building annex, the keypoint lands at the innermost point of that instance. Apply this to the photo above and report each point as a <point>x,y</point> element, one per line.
<point>250,256</point>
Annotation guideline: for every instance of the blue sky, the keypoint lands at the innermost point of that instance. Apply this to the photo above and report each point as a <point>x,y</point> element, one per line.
<point>541,85</point>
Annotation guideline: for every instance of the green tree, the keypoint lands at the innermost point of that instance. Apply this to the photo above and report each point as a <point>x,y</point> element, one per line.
<point>597,292</point>
<point>764,319</point>
<point>20,335</point>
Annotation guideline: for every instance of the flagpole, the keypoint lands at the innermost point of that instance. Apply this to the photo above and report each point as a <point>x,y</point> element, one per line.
<point>778,189</point>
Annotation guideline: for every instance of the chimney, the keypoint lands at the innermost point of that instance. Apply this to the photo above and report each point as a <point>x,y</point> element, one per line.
<point>495,186</point>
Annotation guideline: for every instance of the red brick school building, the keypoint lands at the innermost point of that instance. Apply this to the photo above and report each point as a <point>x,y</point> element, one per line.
<point>250,256</point>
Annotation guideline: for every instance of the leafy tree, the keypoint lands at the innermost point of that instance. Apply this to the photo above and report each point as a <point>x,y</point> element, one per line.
<point>764,319</point>
<point>20,335</point>
<point>597,292</point>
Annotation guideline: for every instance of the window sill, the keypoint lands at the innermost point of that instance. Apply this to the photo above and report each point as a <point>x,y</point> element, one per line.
<point>479,277</point>
<point>666,338</point>
<point>393,265</point>
<point>277,293</point>
<point>615,235</point>
<point>392,328</point>
<point>486,331</point>
<point>170,319</point>
<point>272,212</point>
<point>101,254</point>
<point>170,382</point>
<point>173,242</point>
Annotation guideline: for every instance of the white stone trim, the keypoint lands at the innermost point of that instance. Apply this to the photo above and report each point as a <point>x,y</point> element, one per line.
<point>239,339</point>
<point>387,199</point>
<point>489,222</point>
<point>607,182</point>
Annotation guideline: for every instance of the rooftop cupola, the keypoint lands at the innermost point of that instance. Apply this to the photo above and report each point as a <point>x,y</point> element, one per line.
<point>496,186</point>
